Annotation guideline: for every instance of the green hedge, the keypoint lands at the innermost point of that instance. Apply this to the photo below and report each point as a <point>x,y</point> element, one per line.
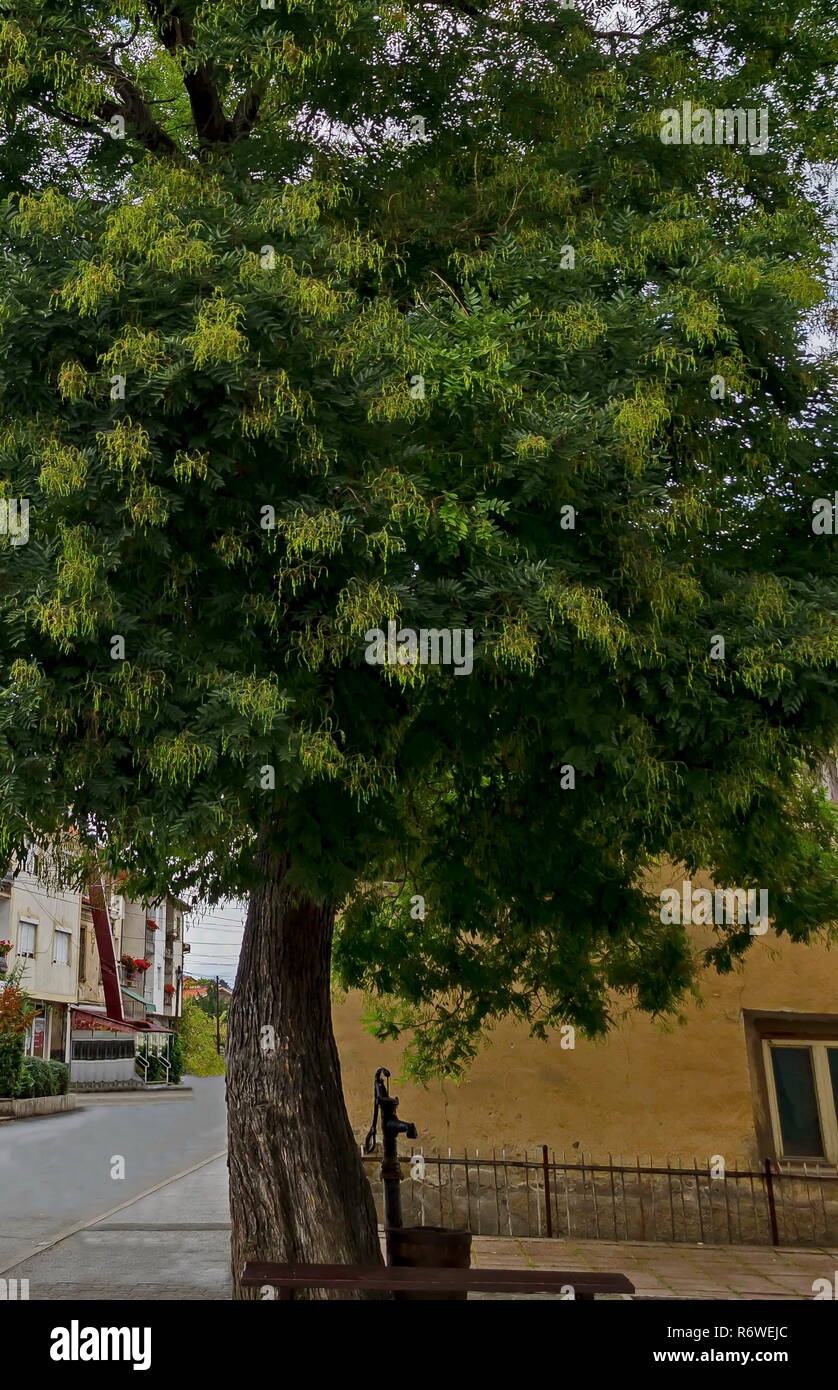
<point>11,1065</point>
<point>42,1078</point>
<point>61,1072</point>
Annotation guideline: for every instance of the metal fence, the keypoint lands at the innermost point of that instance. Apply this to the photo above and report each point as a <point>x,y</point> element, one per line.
<point>540,1195</point>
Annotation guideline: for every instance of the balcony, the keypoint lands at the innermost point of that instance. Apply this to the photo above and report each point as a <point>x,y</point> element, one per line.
<point>133,979</point>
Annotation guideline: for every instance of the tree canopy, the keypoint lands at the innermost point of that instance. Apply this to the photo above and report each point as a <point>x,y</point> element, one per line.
<point>316,317</point>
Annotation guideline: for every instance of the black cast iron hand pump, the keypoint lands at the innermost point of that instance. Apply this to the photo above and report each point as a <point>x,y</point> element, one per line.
<point>386,1106</point>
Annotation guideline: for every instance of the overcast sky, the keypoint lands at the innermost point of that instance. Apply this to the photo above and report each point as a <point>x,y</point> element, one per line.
<point>215,938</point>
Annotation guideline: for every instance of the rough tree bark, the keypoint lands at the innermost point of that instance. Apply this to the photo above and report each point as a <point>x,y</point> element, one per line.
<point>297,1186</point>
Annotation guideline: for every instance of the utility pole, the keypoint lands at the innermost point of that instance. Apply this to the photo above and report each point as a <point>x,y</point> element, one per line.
<point>217,1019</point>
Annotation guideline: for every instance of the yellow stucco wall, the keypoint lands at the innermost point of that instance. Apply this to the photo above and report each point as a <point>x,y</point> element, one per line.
<point>643,1091</point>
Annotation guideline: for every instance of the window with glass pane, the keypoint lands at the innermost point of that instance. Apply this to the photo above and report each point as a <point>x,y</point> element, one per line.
<point>832,1056</point>
<point>61,948</point>
<point>797,1103</point>
<point>26,938</point>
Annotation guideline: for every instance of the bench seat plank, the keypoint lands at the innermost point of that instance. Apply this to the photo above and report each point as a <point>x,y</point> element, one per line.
<point>393,1277</point>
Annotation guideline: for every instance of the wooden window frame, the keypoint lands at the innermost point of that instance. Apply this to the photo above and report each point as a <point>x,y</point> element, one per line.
<point>827,1117</point>
<point>782,1029</point>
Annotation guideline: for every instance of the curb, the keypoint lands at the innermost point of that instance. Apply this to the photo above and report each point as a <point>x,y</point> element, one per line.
<point>133,1096</point>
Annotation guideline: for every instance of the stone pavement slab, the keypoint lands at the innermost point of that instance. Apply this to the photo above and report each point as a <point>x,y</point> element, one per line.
<point>659,1270</point>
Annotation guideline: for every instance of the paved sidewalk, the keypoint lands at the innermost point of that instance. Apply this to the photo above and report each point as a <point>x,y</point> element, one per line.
<point>673,1271</point>
<point>57,1173</point>
<point>174,1244</point>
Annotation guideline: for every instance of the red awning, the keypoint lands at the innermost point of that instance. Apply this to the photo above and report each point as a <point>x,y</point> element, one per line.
<point>83,1019</point>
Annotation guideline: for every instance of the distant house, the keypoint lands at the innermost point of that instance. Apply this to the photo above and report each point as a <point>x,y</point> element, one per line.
<point>199,989</point>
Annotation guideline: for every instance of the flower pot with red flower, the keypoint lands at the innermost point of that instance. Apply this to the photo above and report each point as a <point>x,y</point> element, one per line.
<point>5,948</point>
<point>129,965</point>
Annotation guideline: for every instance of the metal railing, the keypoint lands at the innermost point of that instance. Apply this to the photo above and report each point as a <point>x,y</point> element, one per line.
<point>539,1195</point>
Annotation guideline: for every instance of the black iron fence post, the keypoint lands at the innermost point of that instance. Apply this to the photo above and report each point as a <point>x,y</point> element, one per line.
<point>750,1201</point>
<point>772,1205</point>
<point>547,1206</point>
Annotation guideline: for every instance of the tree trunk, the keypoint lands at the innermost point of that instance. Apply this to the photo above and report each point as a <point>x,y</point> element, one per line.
<point>297,1186</point>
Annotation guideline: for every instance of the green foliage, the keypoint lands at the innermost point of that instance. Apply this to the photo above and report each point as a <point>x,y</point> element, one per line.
<point>61,1077</point>
<point>209,1005</point>
<point>176,1059</point>
<point>11,1065</point>
<point>41,1077</point>
<point>150,1064</point>
<point>197,1035</point>
<point>16,1012</point>
<point>156,1069</point>
<point>272,287</point>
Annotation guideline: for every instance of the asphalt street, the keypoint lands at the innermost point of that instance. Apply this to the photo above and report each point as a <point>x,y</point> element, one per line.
<point>61,1170</point>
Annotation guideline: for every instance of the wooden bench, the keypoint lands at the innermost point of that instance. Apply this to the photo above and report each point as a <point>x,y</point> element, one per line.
<point>392,1278</point>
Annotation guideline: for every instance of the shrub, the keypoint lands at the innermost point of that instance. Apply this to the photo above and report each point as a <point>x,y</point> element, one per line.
<point>28,1077</point>
<point>11,1065</point>
<point>42,1078</point>
<point>61,1074</point>
<point>176,1058</point>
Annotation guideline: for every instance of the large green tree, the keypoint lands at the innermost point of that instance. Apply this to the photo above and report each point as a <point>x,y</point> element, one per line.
<point>316,317</point>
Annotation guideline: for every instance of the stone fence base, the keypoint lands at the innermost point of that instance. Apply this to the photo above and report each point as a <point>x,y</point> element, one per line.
<point>35,1105</point>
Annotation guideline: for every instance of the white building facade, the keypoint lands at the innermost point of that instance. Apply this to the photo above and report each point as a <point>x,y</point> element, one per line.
<point>53,935</point>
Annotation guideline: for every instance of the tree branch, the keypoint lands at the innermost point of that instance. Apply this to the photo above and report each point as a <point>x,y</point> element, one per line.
<point>133,107</point>
<point>247,111</point>
<point>613,35</point>
<point>178,37</point>
<point>126,43</point>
